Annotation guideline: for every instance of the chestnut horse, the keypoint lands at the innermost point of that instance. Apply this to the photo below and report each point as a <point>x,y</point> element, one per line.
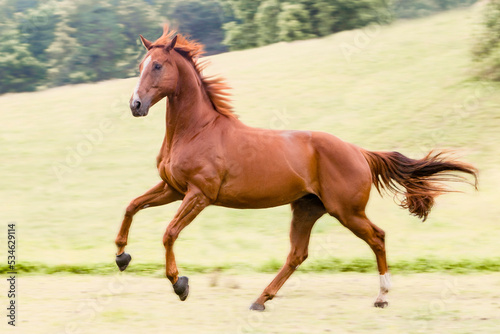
<point>209,157</point>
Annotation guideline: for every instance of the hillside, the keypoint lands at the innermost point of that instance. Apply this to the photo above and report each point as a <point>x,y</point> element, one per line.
<point>404,87</point>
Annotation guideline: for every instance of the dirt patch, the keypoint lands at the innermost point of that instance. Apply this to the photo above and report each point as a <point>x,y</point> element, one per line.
<point>309,303</point>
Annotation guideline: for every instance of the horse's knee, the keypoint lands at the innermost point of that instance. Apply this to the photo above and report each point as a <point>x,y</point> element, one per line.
<point>170,236</point>
<point>376,240</point>
<point>131,210</point>
<point>295,259</point>
<point>377,243</point>
<point>378,246</point>
<point>379,233</point>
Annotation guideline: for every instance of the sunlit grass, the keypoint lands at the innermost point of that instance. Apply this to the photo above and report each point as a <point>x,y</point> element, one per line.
<point>408,89</point>
<point>308,303</point>
<point>324,264</point>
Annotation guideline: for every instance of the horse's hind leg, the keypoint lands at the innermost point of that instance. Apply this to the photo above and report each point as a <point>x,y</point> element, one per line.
<point>306,211</point>
<point>374,236</point>
<point>160,194</point>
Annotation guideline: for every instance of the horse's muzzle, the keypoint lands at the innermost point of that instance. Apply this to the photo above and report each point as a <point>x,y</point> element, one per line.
<point>138,108</point>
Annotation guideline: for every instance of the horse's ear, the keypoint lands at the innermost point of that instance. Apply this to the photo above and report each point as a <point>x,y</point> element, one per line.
<point>147,44</point>
<point>171,45</point>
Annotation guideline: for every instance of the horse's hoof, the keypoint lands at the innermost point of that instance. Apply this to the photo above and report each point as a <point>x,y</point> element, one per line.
<point>181,287</point>
<point>381,304</point>
<point>257,307</point>
<point>123,260</point>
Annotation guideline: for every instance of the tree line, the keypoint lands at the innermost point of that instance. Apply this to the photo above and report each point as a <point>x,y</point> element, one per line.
<point>57,42</point>
<point>46,43</point>
<point>486,51</point>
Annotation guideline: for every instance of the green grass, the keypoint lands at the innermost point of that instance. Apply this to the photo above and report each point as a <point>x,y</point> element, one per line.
<point>409,89</point>
<point>327,265</point>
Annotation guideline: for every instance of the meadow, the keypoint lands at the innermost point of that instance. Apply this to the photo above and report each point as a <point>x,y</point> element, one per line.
<point>73,157</point>
<point>308,303</point>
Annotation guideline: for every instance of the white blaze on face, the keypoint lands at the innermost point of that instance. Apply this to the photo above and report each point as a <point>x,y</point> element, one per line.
<point>136,90</point>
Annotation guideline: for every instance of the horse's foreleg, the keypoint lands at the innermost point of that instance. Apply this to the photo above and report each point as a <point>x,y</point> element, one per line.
<point>194,202</point>
<point>160,194</point>
<point>374,236</point>
<point>305,213</point>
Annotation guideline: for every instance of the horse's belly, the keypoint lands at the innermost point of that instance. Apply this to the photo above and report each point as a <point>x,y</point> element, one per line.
<point>256,200</point>
<point>263,188</point>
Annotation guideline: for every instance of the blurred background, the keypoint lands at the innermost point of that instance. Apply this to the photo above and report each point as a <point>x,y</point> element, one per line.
<point>51,43</point>
<point>397,75</point>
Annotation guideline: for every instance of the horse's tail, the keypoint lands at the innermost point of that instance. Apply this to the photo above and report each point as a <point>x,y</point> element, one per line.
<point>418,181</point>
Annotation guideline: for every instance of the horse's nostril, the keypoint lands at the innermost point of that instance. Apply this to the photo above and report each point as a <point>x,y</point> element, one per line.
<point>137,104</point>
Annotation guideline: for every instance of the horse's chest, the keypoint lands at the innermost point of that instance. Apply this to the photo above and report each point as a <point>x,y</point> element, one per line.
<point>175,172</point>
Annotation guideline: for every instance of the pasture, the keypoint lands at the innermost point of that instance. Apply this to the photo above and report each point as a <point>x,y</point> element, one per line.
<point>73,157</point>
<point>309,303</point>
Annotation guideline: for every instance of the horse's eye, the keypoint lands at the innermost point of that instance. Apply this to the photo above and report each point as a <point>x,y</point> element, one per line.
<point>157,66</point>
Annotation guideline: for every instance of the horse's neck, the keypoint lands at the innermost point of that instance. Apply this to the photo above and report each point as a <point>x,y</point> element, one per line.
<point>188,109</point>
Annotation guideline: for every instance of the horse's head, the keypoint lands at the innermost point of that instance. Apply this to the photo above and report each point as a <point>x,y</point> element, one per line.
<point>158,77</point>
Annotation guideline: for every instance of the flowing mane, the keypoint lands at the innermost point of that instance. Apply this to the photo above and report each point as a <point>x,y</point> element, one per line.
<point>215,86</point>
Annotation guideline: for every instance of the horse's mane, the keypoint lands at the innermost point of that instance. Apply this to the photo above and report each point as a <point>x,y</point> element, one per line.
<point>215,86</point>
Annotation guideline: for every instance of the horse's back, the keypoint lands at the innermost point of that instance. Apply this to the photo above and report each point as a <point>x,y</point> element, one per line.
<point>268,167</point>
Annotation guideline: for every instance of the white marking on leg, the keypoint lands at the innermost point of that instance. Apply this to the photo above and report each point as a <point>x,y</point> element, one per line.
<point>385,282</point>
<point>385,286</point>
<point>136,90</point>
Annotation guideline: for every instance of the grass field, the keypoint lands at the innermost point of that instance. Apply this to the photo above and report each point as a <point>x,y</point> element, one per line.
<point>73,157</point>
<point>309,303</point>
